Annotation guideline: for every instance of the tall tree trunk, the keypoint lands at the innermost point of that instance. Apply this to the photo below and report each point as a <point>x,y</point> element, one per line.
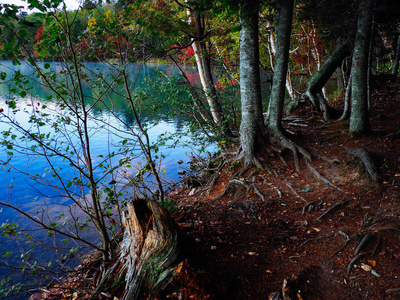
<point>204,67</point>
<point>347,99</point>
<point>272,54</point>
<point>395,69</point>
<point>251,127</point>
<point>359,121</point>
<point>283,27</point>
<point>318,81</point>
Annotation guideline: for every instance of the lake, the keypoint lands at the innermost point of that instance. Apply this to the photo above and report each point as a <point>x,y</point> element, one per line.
<point>18,188</point>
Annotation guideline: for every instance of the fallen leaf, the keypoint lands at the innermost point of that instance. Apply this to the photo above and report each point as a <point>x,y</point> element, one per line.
<point>366,267</point>
<point>372,262</point>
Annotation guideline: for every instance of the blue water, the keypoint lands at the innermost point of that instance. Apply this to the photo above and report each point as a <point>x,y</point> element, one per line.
<point>20,190</point>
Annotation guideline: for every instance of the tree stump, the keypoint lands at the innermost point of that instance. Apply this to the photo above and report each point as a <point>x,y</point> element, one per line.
<point>149,250</point>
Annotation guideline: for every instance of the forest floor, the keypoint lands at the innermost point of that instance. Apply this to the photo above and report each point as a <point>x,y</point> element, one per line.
<point>305,231</point>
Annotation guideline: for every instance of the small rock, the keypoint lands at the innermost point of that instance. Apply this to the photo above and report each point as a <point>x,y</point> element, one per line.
<point>180,161</point>
<point>375,273</point>
<point>181,172</point>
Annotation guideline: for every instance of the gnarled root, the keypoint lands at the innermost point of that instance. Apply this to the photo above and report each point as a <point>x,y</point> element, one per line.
<point>279,139</point>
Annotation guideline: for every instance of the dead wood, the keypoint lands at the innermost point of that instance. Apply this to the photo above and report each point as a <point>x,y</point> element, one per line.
<point>368,162</point>
<point>149,250</point>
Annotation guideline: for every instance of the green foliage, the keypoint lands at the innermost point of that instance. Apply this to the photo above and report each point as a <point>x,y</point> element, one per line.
<point>168,205</point>
<point>9,229</point>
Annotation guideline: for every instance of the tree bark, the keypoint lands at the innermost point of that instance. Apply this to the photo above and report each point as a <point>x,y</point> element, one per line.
<point>252,127</point>
<point>359,120</point>
<point>204,68</point>
<point>283,28</point>
<point>149,250</point>
<point>347,98</point>
<point>318,81</point>
<point>395,69</point>
<point>272,50</point>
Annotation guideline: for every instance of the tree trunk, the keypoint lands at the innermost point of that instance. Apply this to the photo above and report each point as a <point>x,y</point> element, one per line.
<point>283,28</point>
<point>272,53</point>
<point>204,68</point>
<point>318,81</point>
<point>395,69</point>
<point>251,127</point>
<point>347,99</point>
<point>149,250</point>
<point>359,121</point>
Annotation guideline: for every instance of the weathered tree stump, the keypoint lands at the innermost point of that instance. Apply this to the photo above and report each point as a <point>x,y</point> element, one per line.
<point>149,249</point>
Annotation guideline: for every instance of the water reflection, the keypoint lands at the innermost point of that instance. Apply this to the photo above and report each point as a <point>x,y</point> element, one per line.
<point>17,188</point>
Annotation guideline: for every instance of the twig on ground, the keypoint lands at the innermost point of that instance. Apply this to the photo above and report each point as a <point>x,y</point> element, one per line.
<point>392,291</point>
<point>278,191</point>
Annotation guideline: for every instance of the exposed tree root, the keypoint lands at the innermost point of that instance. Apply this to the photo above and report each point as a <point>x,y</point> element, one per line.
<point>368,162</point>
<point>254,162</point>
<point>317,238</point>
<point>335,206</point>
<point>296,193</point>
<point>236,182</point>
<point>232,183</point>
<point>318,175</point>
<point>352,262</point>
<point>279,139</point>
<point>256,190</point>
<point>317,153</point>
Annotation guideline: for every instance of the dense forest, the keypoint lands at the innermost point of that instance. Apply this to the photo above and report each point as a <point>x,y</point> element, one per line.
<point>266,144</point>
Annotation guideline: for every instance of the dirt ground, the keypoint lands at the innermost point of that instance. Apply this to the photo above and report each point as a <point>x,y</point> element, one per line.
<point>333,236</point>
<point>246,246</point>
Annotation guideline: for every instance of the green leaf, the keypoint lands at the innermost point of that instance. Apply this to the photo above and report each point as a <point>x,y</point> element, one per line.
<point>12,104</point>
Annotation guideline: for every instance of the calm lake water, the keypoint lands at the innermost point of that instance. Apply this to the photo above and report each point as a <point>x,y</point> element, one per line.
<point>18,189</point>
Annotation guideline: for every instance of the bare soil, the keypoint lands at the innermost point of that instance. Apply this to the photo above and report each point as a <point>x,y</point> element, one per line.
<point>247,247</point>
<point>305,231</point>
